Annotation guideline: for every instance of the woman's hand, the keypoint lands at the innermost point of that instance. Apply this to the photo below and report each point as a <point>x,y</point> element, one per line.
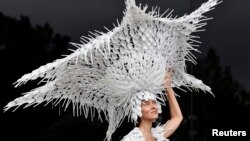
<point>168,79</point>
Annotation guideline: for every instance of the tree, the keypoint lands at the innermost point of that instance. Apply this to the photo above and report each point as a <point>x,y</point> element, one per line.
<point>22,49</point>
<point>231,102</point>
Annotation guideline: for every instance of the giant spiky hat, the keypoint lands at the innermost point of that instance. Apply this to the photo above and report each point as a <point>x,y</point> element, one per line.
<point>108,69</point>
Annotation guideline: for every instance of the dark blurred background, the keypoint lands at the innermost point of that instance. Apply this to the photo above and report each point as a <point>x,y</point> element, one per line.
<point>33,33</point>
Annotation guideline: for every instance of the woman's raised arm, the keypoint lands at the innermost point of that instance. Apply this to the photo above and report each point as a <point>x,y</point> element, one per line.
<point>175,112</point>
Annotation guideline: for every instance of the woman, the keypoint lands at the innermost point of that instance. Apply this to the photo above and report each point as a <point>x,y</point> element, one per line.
<point>149,113</point>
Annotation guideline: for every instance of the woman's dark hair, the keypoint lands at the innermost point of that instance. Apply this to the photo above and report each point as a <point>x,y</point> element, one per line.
<point>138,122</point>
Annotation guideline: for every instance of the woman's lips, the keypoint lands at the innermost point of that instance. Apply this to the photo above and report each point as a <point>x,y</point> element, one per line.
<point>154,112</point>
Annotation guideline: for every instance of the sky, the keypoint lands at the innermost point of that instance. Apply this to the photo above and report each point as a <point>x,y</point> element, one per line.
<point>228,32</point>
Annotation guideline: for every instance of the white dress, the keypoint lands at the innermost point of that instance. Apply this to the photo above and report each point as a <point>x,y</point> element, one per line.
<point>136,134</point>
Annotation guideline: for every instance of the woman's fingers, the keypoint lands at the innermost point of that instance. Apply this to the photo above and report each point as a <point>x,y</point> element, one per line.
<point>169,73</point>
<point>168,78</point>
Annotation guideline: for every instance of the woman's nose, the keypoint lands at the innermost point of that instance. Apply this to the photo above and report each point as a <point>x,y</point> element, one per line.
<point>153,105</point>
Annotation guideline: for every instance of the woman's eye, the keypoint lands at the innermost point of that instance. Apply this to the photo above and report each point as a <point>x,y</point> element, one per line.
<point>144,103</point>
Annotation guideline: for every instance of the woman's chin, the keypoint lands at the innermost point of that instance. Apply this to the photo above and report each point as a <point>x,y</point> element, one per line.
<point>155,117</point>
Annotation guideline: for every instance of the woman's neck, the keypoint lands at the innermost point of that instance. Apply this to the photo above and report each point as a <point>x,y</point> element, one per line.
<point>145,126</point>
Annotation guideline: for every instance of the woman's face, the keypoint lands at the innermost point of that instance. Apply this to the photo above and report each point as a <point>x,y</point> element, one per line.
<point>149,110</point>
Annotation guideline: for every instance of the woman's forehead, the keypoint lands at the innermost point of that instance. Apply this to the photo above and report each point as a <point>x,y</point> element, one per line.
<point>148,100</point>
